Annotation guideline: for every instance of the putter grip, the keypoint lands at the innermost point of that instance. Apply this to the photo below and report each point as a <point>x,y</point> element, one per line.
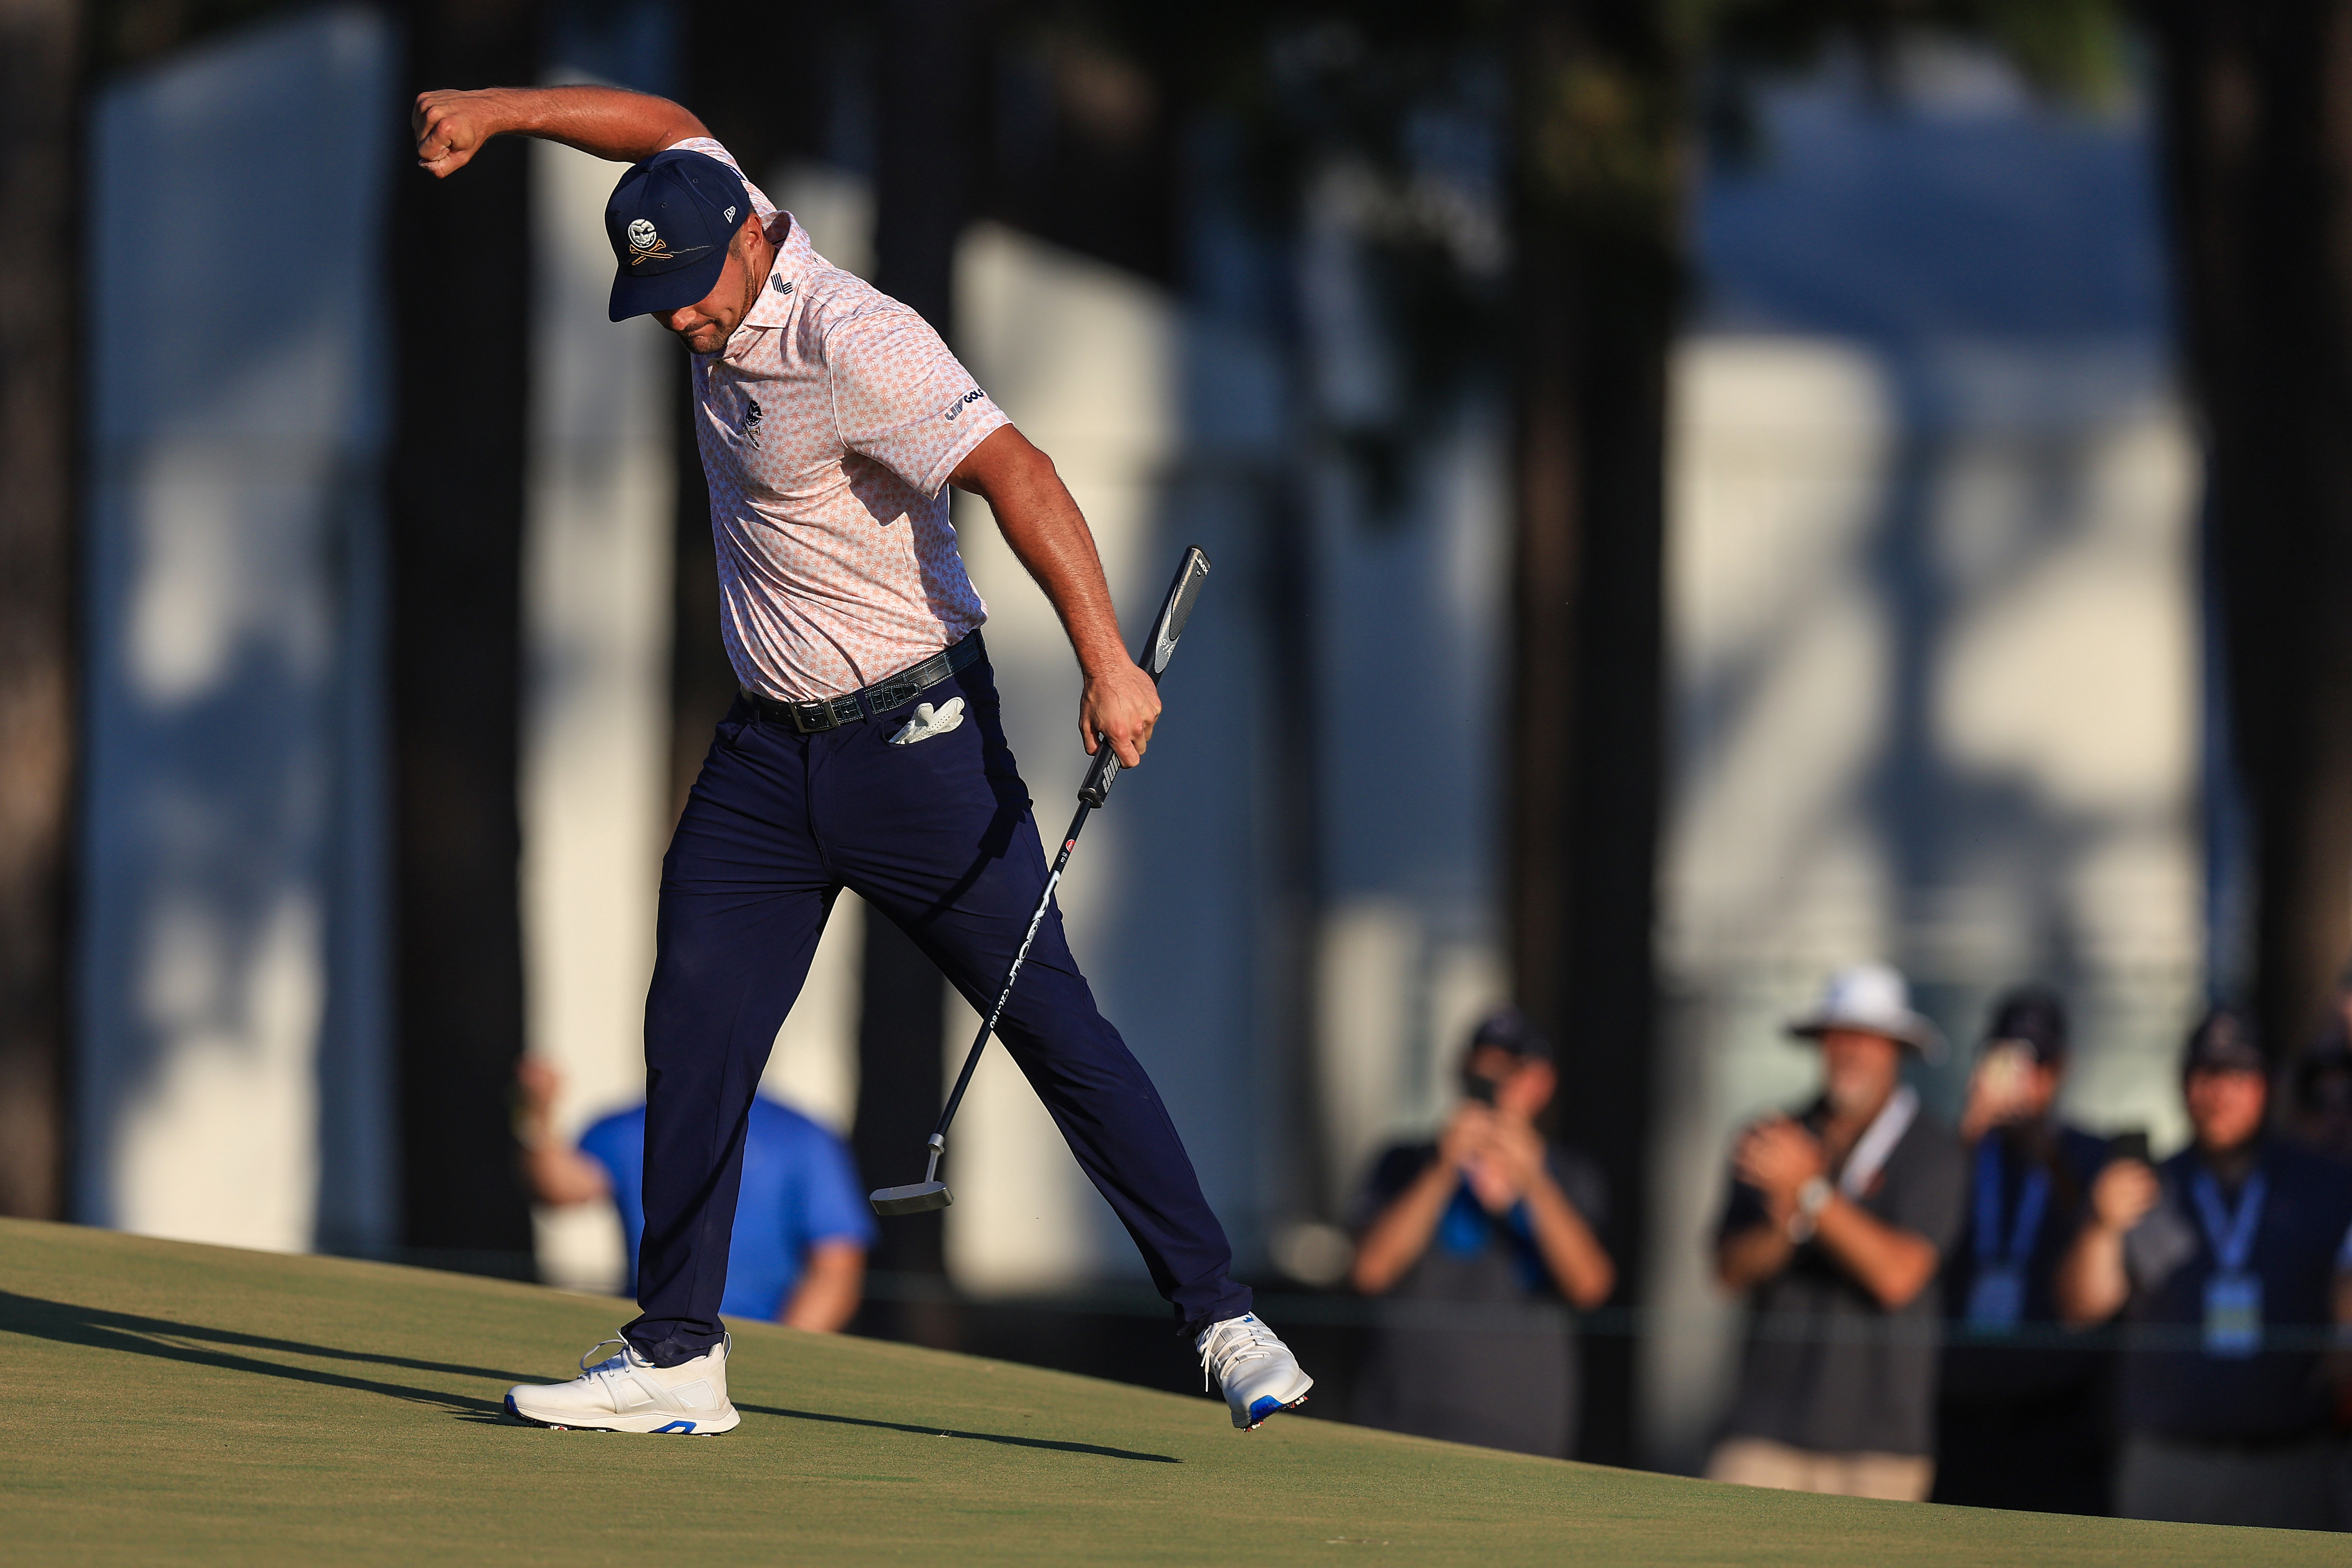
<point>1158,649</point>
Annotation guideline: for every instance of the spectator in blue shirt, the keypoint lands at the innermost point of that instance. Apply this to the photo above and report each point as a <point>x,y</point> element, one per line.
<point>2023,1415</point>
<point>2227,1267</point>
<point>802,1229</point>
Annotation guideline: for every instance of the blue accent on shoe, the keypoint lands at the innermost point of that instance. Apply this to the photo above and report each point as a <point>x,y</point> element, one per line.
<point>1265,1405</point>
<point>511,1410</point>
<point>676,1426</point>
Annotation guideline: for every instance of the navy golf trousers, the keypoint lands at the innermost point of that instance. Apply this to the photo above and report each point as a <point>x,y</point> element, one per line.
<point>937,835</point>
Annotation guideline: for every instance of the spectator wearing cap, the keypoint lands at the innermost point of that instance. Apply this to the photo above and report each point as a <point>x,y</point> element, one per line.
<point>2023,1418</point>
<point>1837,1221</point>
<point>1474,1242</point>
<point>2227,1265</point>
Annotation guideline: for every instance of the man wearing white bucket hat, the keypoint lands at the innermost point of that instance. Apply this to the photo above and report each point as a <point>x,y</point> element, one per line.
<point>1838,1219</point>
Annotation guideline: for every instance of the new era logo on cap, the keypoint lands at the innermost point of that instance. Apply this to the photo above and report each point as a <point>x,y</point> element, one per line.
<point>669,222</point>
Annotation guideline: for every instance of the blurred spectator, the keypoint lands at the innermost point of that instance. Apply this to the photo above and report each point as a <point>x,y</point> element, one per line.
<point>2236,1238</point>
<point>1836,1223</point>
<point>802,1229</point>
<point>2319,1111</point>
<point>2021,1422</point>
<point>1492,1218</point>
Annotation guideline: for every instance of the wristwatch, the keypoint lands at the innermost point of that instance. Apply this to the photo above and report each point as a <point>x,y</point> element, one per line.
<point>1811,1199</point>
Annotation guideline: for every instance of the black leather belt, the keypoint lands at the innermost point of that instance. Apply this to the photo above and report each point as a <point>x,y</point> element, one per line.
<point>890,691</point>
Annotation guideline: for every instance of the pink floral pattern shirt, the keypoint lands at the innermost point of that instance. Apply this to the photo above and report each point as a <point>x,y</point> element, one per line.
<point>828,426</point>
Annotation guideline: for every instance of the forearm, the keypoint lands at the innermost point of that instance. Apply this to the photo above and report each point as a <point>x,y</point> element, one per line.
<point>2092,1283</point>
<point>1048,534</point>
<point>560,1175</point>
<point>1891,1263</point>
<point>1394,1241</point>
<point>1578,1262</point>
<point>1750,1257</point>
<point>605,121</point>
<point>828,1296</point>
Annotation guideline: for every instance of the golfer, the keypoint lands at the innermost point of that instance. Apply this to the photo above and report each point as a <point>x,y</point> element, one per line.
<point>866,749</point>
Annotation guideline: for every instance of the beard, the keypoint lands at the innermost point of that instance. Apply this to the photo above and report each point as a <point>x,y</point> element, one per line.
<point>1851,1094</point>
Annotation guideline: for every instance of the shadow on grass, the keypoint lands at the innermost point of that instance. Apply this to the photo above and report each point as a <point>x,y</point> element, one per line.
<point>130,1334</point>
<point>1005,1439</point>
<point>201,1345</point>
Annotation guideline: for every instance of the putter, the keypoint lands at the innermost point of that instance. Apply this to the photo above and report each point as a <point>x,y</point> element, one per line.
<point>930,1193</point>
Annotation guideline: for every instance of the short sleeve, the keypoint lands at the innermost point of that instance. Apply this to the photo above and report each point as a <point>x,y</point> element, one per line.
<point>1397,1168</point>
<point>710,148</point>
<point>1584,1186</point>
<point>834,1203</point>
<point>900,398</point>
<point>1743,1210</point>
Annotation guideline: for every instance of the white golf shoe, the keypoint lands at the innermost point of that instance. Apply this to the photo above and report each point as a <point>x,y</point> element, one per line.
<point>1255,1369</point>
<point>627,1393</point>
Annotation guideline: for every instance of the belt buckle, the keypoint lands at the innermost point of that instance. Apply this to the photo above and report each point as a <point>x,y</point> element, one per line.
<point>812,717</point>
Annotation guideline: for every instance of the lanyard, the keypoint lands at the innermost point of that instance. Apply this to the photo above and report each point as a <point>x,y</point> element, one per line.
<point>1876,1144</point>
<point>2232,1238</point>
<point>2031,1201</point>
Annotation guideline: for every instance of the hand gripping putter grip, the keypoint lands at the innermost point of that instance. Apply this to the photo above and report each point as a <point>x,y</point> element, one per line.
<point>930,1193</point>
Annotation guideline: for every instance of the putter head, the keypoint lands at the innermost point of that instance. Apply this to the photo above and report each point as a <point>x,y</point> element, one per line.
<point>914,1199</point>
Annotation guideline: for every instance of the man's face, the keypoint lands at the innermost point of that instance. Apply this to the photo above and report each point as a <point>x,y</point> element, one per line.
<point>1523,1085</point>
<point>2225,1107</point>
<point>1858,1070</point>
<point>709,322</point>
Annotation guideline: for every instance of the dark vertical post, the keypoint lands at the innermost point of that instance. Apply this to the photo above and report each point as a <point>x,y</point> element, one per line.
<point>928,55</point>
<point>460,272</point>
<point>40,176</point>
<point>2258,159</point>
<point>1599,184</point>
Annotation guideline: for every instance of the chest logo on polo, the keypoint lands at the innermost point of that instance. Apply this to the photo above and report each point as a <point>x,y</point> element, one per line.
<point>752,416</point>
<point>956,408</point>
<point>929,722</point>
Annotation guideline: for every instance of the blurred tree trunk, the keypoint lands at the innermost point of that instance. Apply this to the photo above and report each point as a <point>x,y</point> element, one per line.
<point>1600,186</point>
<point>2257,120</point>
<point>459,274</point>
<point>929,73</point>
<point>41,170</point>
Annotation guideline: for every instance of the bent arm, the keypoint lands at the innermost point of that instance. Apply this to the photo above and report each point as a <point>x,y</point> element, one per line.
<point>1397,1237</point>
<point>828,1292</point>
<point>451,125</point>
<point>1891,1263</point>
<point>1041,521</point>
<point>2092,1283</point>
<point>1578,1262</point>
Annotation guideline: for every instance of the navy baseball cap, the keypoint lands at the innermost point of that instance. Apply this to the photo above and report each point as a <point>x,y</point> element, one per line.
<point>2032,1016</point>
<point>669,221</point>
<point>2224,1042</point>
<point>1507,1029</point>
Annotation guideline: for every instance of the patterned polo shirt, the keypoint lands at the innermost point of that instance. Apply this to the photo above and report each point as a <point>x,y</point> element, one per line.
<point>828,426</point>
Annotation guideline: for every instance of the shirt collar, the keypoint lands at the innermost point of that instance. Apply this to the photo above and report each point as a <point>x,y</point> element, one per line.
<point>778,295</point>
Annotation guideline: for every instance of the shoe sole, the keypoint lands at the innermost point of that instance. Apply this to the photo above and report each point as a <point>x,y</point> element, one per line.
<point>1269,1405</point>
<point>657,1425</point>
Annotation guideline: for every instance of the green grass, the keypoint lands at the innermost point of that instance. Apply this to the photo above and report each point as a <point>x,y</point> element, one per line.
<point>169,1403</point>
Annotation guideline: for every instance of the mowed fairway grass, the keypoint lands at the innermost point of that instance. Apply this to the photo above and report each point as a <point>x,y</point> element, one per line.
<point>176,1403</point>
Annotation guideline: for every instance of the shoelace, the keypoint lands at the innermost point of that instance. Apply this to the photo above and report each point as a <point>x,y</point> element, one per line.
<point>1232,1342</point>
<point>586,1370</point>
